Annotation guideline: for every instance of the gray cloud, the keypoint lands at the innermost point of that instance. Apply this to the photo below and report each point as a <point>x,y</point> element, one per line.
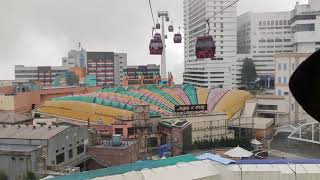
<point>40,32</point>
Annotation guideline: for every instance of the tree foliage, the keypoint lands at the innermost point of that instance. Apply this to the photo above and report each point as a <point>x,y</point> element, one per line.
<point>221,143</point>
<point>29,176</point>
<point>248,72</point>
<point>3,175</point>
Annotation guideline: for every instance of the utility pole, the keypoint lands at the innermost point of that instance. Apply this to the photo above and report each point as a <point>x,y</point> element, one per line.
<point>164,17</point>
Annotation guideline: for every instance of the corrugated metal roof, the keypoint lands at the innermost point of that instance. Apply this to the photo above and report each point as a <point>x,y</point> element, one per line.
<point>278,161</point>
<point>129,167</point>
<point>29,132</point>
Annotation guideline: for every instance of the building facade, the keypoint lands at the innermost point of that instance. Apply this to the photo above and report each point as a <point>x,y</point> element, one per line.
<point>75,59</point>
<point>108,67</point>
<point>149,71</point>
<point>286,64</point>
<point>305,23</point>
<point>260,36</point>
<point>43,74</point>
<point>206,72</point>
<point>26,148</point>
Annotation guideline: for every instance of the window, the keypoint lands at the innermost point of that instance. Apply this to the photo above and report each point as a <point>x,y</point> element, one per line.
<point>279,80</point>
<point>279,92</point>
<point>80,149</point>
<point>285,66</point>
<point>292,107</point>
<point>279,66</point>
<point>285,80</point>
<point>70,153</point>
<point>293,67</point>
<point>131,131</point>
<point>303,27</point>
<point>60,158</point>
<point>119,131</point>
<point>286,93</point>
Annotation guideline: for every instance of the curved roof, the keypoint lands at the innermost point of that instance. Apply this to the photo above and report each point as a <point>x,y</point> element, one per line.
<point>110,103</point>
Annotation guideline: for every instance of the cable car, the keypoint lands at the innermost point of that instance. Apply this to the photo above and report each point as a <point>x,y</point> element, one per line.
<point>205,47</point>
<point>156,47</point>
<point>170,28</point>
<point>157,36</point>
<point>158,26</point>
<point>177,38</point>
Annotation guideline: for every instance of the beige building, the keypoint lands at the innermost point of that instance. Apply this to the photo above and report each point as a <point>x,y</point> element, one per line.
<point>286,64</point>
<point>207,126</point>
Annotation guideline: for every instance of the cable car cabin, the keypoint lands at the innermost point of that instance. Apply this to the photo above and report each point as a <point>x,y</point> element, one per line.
<point>157,36</point>
<point>170,28</point>
<point>156,47</point>
<point>205,47</point>
<point>177,38</point>
<point>158,26</point>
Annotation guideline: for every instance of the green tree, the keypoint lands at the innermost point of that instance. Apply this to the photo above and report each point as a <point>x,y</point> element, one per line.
<point>29,176</point>
<point>248,72</point>
<point>3,175</point>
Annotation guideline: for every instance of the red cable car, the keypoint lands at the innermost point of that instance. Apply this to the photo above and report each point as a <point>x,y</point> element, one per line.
<point>177,38</point>
<point>156,46</point>
<point>205,47</point>
<point>170,28</point>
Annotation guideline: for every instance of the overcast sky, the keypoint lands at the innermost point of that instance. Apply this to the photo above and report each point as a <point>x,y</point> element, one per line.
<point>40,32</point>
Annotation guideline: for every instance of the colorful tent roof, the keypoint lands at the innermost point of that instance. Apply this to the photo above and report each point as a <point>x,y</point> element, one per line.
<point>110,103</point>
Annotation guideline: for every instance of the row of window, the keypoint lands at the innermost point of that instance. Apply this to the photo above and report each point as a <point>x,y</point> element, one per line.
<point>282,80</point>
<point>61,157</point>
<point>273,22</point>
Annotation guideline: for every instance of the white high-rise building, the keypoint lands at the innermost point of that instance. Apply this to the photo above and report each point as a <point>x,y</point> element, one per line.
<point>305,23</point>
<point>261,36</point>
<point>206,72</point>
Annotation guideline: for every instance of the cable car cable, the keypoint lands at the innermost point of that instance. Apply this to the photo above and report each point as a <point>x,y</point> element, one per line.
<point>154,24</point>
<point>223,9</point>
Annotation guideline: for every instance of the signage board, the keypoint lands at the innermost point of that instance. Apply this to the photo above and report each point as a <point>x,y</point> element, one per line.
<point>191,108</point>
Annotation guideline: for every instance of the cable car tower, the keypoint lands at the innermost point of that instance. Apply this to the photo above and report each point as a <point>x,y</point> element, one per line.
<point>164,17</point>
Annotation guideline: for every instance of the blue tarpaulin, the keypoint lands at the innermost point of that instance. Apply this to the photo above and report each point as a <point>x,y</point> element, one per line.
<point>216,158</point>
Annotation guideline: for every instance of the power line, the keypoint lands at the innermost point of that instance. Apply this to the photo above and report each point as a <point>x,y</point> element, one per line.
<point>154,24</point>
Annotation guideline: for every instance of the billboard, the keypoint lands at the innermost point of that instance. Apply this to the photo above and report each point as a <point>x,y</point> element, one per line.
<point>191,108</point>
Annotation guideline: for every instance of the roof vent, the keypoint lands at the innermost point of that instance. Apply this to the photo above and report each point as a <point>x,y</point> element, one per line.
<point>57,125</point>
<point>19,126</point>
<point>33,127</point>
<point>27,124</point>
<point>49,127</point>
<point>4,126</point>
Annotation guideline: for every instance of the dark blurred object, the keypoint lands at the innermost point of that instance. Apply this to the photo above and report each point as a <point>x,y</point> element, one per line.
<point>305,85</point>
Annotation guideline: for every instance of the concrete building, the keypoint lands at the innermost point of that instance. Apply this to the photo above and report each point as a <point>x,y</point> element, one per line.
<point>75,59</point>
<point>26,148</point>
<point>148,71</point>
<point>260,36</point>
<point>43,74</point>
<point>206,126</point>
<point>206,72</point>
<point>305,23</point>
<point>113,155</point>
<point>285,67</point>
<point>108,67</point>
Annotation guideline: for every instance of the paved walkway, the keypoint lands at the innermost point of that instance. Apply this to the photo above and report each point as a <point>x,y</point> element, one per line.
<point>277,153</point>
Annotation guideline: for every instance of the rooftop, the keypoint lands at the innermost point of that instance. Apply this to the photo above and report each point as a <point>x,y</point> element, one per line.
<point>30,132</point>
<point>17,148</point>
<point>137,166</point>
<point>12,118</point>
<point>108,145</point>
